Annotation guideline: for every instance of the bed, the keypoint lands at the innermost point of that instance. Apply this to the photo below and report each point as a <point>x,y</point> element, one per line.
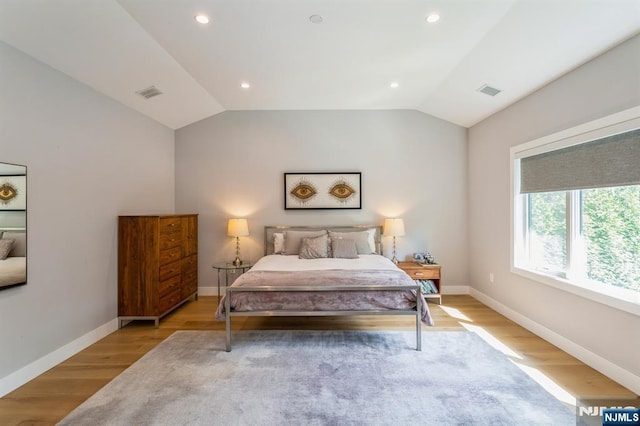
<point>297,277</point>
<point>13,264</point>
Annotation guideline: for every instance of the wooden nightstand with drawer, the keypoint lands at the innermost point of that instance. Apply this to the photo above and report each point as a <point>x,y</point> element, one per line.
<point>430,273</point>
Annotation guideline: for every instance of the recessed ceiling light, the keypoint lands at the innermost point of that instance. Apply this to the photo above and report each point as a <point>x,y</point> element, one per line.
<point>433,18</point>
<point>245,85</point>
<point>394,85</point>
<point>201,19</point>
<point>316,19</point>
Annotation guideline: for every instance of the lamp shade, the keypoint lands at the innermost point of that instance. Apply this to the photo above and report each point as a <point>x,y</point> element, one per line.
<point>237,228</point>
<point>394,227</point>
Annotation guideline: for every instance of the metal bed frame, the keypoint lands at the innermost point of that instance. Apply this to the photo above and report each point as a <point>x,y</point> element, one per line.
<point>269,230</point>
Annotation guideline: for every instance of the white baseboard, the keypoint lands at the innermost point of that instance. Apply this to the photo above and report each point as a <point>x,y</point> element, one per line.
<point>603,365</point>
<point>209,291</point>
<point>39,366</point>
<point>455,289</point>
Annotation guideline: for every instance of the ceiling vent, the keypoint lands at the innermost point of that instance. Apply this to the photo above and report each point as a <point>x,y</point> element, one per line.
<point>149,92</point>
<point>488,90</point>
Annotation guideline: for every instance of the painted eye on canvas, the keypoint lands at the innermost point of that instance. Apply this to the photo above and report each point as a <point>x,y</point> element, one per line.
<point>7,192</point>
<point>303,191</point>
<point>342,191</point>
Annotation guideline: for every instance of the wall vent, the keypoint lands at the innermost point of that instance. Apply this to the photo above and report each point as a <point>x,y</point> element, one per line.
<point>149,92</point>
<point>488,90</point>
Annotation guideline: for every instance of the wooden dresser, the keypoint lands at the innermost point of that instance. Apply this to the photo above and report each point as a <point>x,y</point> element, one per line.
<point>157,265</point>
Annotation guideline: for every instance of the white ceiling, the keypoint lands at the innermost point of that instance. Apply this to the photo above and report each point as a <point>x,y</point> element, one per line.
<point>347,62</point>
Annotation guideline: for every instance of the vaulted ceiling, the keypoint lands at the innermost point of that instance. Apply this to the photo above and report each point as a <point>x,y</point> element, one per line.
<point>316,54</point>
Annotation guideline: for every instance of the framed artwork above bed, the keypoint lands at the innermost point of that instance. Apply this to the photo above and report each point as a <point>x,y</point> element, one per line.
<point>322,191</point>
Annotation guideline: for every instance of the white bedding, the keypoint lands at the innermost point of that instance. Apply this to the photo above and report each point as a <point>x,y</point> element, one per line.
<point>13,270</point>
<point>278,262</point>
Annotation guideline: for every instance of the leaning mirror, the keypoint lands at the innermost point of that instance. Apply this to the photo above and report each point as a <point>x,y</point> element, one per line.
<point>13,225</point>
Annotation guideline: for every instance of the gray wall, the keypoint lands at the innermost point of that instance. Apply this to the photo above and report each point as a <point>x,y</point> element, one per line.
<point>89,159</point>
<point>413,166</point>
<point>606,85</point>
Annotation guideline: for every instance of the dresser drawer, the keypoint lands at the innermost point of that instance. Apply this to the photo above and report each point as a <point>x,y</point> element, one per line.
<point>190,264</point>
<point>170,239</point>
<point>169,270</point>
<point>169,285</point>
<point>170,255</point>
<point>170,224</point>
<point>189,288</point>
<point>423,274</point>
<point>190,276</point>
<point>170,300</point>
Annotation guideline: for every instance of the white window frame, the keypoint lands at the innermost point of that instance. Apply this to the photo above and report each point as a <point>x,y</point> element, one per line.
<point>620,298</point>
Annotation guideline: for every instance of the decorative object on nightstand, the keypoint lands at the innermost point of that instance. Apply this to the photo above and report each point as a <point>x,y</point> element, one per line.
<point>394,228</point>
<point>237,228</point>
<point>424,258</point>
<point>427,275</point>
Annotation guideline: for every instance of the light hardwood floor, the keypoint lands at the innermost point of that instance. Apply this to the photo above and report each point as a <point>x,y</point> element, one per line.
<point>51,396</point>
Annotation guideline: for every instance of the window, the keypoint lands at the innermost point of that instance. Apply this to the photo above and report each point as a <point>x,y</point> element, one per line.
<point>611,231</point>
<point>576,210</point>
<point>547,234</point>
<point>606,246</point>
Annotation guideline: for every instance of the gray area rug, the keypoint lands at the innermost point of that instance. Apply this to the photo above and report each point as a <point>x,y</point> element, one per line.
<point>322,378</point>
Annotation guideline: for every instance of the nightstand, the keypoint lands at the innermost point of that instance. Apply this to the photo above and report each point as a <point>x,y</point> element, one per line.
<point>419,272</point>
<point>229,268</point>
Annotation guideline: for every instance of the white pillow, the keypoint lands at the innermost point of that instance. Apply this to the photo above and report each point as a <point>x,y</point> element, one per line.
<point>372,239</point>
<point>278,242</point>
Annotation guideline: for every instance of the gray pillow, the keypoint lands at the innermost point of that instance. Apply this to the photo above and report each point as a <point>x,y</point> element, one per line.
<point>363,239</point>
<point>344,248</point>
<point>293,239</point>
<point>314,248</point>
<point>5,248</point>
<point>20,243</point>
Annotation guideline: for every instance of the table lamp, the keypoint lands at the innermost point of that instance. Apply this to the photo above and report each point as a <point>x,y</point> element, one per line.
<point>394,228</point>
<point>237,228</point>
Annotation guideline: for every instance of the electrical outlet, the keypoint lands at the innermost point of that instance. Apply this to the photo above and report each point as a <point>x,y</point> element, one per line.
<point>490,277</point>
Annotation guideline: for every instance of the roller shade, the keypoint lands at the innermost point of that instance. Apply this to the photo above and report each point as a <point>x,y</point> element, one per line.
<point>610,161</point>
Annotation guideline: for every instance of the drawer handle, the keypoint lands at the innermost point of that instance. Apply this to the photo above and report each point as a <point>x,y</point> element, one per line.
<point>419,274</point>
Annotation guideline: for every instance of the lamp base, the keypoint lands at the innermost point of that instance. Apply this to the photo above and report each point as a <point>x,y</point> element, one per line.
<point>237,262</point>
<point>395,259</point>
